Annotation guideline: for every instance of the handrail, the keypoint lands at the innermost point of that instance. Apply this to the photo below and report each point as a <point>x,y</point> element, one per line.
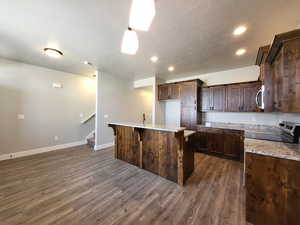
<point>88,118</point>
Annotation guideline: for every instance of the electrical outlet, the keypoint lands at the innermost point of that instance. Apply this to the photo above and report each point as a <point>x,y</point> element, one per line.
<point>21,116</point>
<point>56,138</point>
<point>105,116</point>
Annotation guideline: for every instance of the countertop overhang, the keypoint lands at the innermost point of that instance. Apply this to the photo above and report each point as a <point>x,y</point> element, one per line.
<point>150,126</point>
<point>273,149</point>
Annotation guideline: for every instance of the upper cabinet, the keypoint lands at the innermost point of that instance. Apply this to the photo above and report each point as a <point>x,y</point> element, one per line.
<point>218,98</point>
<point>282,74</point>
<point>261,61</point>
<point>188,94</point>
<point>234,99</point>
<point>168,91</point>
<point>190,116</point>
<point>205,99</point>
<point>231,98</point>
<point>213,99</point>
<point>249,93</point>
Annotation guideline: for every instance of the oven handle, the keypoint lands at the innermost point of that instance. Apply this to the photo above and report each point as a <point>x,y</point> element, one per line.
<point>256,98</point>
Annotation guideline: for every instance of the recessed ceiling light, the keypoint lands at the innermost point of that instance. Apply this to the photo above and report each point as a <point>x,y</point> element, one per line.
<point>154,59</point>
<point>239,30</point>
<point>241,51</point>
<point>54,53</point>
<point>171,68</point>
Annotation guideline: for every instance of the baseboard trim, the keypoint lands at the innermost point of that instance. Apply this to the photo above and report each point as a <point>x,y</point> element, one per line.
<point>103,146</point>
<point>41,150</point>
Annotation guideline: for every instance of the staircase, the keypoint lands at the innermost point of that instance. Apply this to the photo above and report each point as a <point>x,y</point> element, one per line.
<point>91,141</point>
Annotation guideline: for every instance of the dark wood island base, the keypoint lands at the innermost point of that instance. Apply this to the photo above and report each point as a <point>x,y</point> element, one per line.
<point>160,151</point>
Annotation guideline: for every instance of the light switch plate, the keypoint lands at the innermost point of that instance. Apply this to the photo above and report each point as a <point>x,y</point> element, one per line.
<point>105,116</point>
<point>57,85</point>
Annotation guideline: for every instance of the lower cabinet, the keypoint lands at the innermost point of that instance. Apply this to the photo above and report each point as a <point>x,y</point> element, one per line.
<point>220,142</point>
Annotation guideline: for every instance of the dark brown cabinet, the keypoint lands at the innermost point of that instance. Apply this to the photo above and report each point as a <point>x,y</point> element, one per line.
<point>218,98</point>
<point>234,144</point>
<point>215,141</point>
<point>248,95</point>
<point>222,142</point>
<point>168,91</point>
<point>282,74</point>
<point>163,92</point>
<point>190,116</point>
<point>239,97</point>
<point>213,99</point>
<point>233,98</point>
<point>205,100</point>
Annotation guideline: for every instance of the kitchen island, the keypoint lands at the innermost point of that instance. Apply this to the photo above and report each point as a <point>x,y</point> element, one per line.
<point>163,150</point>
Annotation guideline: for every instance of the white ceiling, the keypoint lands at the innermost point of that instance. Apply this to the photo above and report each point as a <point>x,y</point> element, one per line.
<point>193,35</point>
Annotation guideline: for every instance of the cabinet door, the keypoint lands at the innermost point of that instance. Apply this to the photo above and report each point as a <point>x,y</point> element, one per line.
<point>205,99</point>
<point>188,96</point>
<point>216,141</point>
<point>233,98</point>
<point>249,92</point>
<point>291,77</point>
<point>218,98</point>
<point>233,144</point>
<point>173,91</point>
<point>201,141</point>
<point>163,92</point>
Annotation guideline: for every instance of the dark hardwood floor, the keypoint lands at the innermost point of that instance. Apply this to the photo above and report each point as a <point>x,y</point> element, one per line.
<point>78,186</point>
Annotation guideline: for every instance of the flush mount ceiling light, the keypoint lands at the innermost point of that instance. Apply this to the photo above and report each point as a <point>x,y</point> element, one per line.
<point>154,59</point>
<point>54,53</point>
<point>171,68</point>
<point>130,43</point>
<point>241,51</point>
<point>239,30</point>
<point>141,14</point>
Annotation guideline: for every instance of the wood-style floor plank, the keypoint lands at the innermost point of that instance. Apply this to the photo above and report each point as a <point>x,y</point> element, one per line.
<point>77,186</point>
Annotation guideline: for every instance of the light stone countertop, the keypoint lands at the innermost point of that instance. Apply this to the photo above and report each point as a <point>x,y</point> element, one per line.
<point>273,149</point>
<point>188,133</point>
<point>150,126</point>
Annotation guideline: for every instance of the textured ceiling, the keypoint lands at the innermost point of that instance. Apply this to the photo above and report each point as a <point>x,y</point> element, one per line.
<point>195,36</point>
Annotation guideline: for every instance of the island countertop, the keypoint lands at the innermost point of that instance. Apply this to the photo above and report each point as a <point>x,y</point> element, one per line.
<point>273,149</point>
<point>150,126</point>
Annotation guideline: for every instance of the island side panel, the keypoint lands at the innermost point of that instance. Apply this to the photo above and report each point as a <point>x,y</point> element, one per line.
<point>272,190</point>
<point>160,153</point>
<point>188,161</point>
<point>128,145</point>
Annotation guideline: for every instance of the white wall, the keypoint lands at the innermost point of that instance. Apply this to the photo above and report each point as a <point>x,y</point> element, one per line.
<point>27,89</point>
<point>249,73</point>
<point>119,101</point>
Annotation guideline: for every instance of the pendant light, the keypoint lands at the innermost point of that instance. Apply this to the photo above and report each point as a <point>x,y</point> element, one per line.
<point>141,14</point>
<point>130,43</point>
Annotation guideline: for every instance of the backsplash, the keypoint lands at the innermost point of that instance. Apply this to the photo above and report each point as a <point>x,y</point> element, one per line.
<point>271,119</point>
